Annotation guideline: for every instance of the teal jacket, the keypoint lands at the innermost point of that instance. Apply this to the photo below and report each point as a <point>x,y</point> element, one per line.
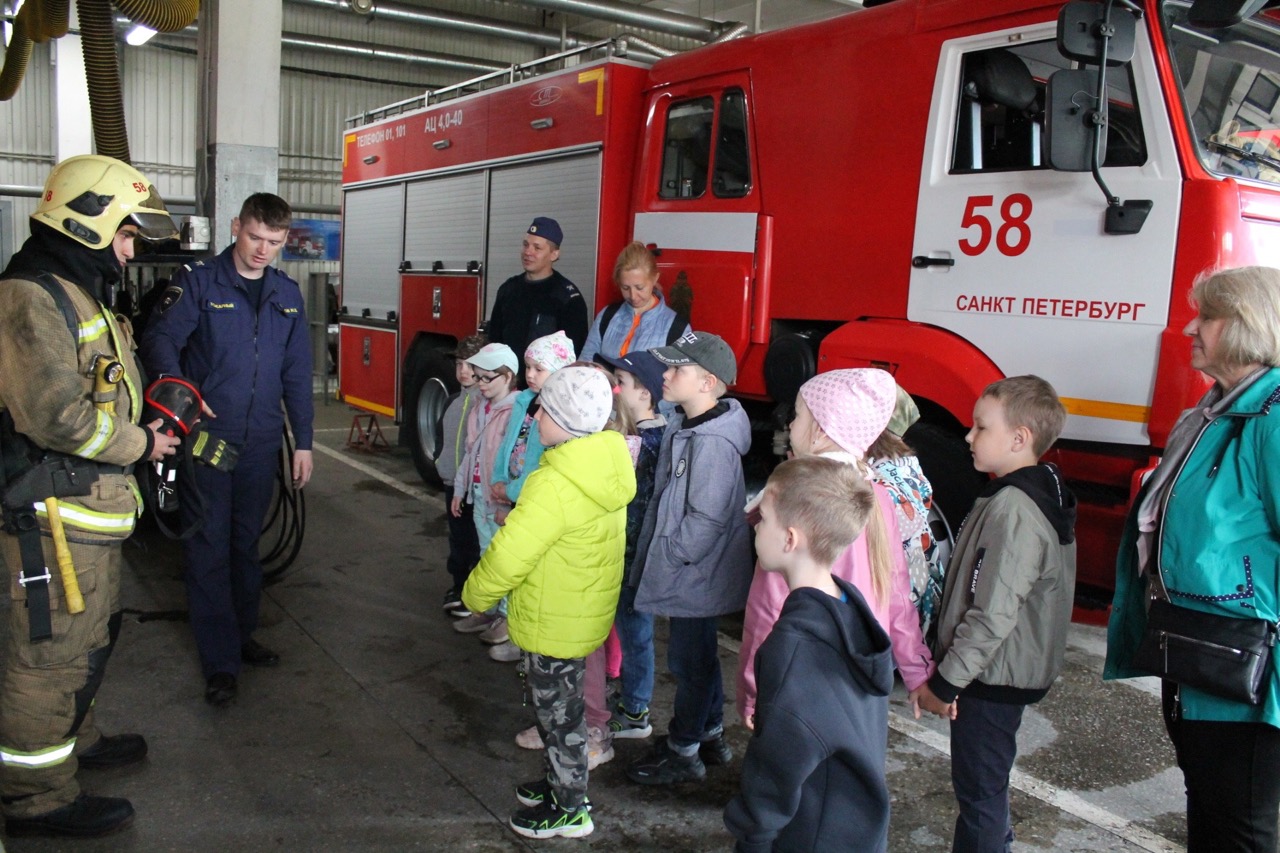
<point>559,555</point>
<point>1219,542</point>
<point>532,449</point>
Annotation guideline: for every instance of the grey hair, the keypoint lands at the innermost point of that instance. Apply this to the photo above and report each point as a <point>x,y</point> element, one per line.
<point>1248,298</point>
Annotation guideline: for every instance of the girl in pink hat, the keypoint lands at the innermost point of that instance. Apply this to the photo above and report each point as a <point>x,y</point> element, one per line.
<point>839,414</point>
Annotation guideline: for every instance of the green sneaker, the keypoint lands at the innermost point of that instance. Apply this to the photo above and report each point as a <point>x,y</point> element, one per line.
<point>537,792</point>
<point>547,820</point>
<point>626,726</point>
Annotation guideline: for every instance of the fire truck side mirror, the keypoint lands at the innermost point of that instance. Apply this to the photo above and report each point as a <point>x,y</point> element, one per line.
<point>1071,107</point>
<point>1083,28</point>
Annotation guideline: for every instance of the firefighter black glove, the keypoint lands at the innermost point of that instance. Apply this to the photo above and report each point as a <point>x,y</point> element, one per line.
<point>214,452</point>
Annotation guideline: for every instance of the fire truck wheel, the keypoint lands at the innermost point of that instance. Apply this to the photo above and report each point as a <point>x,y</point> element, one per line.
<point>427,396</point>
<point>947,463</point>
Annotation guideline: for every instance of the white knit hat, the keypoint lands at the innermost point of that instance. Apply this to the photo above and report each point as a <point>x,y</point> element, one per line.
<point>578,398</point>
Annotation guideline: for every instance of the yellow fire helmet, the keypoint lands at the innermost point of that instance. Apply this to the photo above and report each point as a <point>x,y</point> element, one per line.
<point>89,197</point>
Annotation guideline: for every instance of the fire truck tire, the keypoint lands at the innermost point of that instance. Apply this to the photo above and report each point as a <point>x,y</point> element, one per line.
<point>427,396</point>
<point>946,461</point>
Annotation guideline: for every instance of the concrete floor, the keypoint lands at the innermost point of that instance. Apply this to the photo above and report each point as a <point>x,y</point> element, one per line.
<point>383,729</point>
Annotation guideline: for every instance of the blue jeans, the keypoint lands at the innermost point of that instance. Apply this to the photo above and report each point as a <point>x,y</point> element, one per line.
<point>694,659</point>
<point>984,744</point>
<point>635,632</point>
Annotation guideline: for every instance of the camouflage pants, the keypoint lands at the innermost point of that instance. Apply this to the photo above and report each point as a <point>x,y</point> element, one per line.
<point>555,692</point>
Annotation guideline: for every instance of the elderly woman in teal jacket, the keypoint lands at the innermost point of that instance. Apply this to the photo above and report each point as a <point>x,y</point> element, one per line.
<point>1210,515</point>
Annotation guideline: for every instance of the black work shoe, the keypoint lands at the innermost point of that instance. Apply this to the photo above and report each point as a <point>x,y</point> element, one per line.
<point>114,751</point>
<point>665,766</point>
<point>87,817</point>
<point>715,751</point>
<point>220,689</point>
<point>256,654</point>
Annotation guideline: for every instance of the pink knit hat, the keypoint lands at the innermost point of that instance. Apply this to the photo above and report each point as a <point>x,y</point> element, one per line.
<point>852,406</point>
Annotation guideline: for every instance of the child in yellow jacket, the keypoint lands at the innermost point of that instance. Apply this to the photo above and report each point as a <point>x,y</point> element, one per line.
<point>559,559</point>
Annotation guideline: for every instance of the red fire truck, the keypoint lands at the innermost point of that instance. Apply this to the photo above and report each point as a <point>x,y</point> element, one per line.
<point>934,187</point>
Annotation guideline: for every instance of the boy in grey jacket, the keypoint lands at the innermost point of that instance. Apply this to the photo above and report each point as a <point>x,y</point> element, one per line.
<point>695,550</point>
<point>1002,629</point>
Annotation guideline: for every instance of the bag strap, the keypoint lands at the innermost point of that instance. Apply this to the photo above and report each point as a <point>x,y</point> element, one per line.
<point>607,317</point>
<point>60,298</point>
<point>676,330</point>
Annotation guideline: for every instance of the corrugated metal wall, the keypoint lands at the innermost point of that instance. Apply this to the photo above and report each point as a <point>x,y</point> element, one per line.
<point>27,137</point>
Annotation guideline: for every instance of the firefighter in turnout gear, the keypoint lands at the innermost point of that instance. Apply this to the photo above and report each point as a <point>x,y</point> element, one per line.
<point>68,453</point>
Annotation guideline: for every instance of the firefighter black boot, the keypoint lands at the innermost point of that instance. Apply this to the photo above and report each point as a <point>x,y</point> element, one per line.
<point>87,817</point>
<point>113,751</point>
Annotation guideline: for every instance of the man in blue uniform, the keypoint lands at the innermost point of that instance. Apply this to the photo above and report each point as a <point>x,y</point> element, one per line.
<point>235,327</point>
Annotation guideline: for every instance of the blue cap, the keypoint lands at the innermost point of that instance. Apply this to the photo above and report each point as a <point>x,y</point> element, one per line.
<point>548,228</point>
<point>642,366</point>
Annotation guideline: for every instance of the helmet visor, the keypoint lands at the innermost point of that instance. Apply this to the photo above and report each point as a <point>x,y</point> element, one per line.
<point>153,226</point>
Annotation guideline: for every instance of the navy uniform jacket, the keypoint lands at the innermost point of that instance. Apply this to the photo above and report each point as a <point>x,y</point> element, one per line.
<point>243,361</point>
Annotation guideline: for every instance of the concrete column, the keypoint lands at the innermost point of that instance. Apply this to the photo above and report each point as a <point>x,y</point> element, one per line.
<point>239,111</point>
<point>71,95</point>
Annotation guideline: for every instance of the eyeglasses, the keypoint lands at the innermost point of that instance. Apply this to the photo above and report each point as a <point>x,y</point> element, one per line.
<point>487,379</point>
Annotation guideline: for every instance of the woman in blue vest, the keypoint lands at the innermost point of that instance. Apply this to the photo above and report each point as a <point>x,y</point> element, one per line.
<point>643,320</point>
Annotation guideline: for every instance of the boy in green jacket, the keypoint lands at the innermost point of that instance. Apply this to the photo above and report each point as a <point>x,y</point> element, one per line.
<point>559,558</point>
<point>1002,629</point>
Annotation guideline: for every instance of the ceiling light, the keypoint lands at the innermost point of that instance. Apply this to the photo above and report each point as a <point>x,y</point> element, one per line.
<point>139,35</point>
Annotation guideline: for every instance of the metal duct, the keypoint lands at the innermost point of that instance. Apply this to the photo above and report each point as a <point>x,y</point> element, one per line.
<point>636,16</point>
<point>163,16</point>
<point>36,23</point>
<point>106,102</point>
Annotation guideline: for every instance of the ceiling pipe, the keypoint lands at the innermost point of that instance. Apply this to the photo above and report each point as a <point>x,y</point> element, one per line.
<point>670,23</point>
<point>321,44</point>
<point>488,27</point>
<point>365,51</point>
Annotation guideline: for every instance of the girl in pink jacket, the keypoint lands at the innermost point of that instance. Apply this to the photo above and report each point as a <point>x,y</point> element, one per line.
<point>839,414</point>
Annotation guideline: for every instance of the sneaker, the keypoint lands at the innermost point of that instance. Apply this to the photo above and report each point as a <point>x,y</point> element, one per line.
<point>529,739</point>
<point>505,652</point>
<point>496,632</point>
<point>665,766</point>
<point>453,603</point>
<point>547,820</point>
<point>715,751</point>
<point>626,726</point>
<point>473,624</point>
<point>452,598</point>
<point>538,792</point>
<point>599,747</point>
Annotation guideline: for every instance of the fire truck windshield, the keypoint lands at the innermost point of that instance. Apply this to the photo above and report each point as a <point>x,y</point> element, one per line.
<point>1230,81</point>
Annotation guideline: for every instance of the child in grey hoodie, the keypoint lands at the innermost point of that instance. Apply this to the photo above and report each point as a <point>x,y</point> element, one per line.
<point>695,549</point>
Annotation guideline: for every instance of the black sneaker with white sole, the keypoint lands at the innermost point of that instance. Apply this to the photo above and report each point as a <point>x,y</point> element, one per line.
<point>665,766</point>
<point>537,792</point>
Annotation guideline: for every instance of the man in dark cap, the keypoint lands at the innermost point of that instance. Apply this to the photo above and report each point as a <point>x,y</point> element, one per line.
<point>540,300</point>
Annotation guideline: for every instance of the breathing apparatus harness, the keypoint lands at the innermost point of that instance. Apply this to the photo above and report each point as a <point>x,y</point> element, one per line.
<point>177,403</point>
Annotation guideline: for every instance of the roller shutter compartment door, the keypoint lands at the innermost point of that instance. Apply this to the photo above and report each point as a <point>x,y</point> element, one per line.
<point>567,190</point>
<point>444,221</point>
<point>372,241</point>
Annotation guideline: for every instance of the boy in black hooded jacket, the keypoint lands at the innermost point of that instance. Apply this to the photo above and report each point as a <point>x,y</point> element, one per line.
<point>813,776</point>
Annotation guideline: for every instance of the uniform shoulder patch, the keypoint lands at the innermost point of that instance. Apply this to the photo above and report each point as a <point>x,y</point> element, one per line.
<point>171,296</point>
